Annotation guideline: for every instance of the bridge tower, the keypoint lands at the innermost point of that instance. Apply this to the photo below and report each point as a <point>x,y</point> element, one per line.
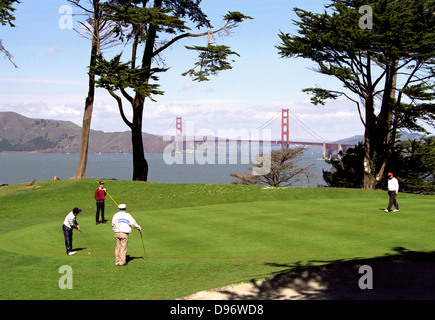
<point>179,134</point>
<point>285,139</point>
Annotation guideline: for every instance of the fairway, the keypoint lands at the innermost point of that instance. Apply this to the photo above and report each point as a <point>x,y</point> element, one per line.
<point>196,237</point>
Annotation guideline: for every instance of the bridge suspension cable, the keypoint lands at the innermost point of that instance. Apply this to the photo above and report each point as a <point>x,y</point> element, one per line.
<point>306,128</point>
<point>264,125</point>
<point>295,120</point>
<point>168,131</point>
<point>188,125</point>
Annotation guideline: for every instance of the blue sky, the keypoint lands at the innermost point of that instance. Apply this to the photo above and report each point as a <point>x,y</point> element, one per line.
<point>51,78</point>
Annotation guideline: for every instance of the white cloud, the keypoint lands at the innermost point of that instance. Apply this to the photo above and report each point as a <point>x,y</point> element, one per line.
<point>52,50</point>
<point>41,110</point>
<point>64,110</point>
<point>332,122</point>
<point>188,86</point>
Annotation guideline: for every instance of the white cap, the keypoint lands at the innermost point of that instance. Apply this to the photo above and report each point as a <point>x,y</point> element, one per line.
<point>122,206</point>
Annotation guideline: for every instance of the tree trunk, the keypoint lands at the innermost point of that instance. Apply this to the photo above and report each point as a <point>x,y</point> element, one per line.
<point>369,179</point>
<point>386,124</point>
<point>369,143</point>
<point>86,127</point>
<point>380,134</point>
<point>140,165</point>
<point>84,144</point>
<point>89,103</point>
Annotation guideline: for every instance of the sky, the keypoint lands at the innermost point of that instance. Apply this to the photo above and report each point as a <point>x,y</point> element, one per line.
<point>51,81</point>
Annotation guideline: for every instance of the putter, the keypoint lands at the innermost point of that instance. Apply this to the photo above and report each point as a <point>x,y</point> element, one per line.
<point>87,241</point>
<point>143,247</point>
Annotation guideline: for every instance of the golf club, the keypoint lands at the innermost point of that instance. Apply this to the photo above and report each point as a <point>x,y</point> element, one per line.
<point>87,241</point>
<point>111,198</point>
<point>143,247</point>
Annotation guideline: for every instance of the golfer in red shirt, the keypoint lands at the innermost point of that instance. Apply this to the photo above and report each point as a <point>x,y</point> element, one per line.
<point>100,196</point>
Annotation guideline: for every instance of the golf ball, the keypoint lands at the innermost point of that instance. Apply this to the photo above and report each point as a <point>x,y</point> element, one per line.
<point>89,253</point>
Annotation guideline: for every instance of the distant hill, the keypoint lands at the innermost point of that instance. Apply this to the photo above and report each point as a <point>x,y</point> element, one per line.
<point>22,134</point>
<point>403,137</point>
<point>19,133</point>
<point>352,140</point>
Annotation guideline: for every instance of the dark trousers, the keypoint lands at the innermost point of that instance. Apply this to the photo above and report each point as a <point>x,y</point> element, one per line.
<point>67,233</point>
<point>100,207</point>
<point>393,200</point>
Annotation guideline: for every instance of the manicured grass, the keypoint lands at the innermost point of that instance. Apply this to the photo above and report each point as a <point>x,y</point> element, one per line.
<point>197,236</point>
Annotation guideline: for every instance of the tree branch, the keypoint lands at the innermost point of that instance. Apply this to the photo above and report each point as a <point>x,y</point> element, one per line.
<point>121,109</point>
<point>187,35</point>
<point>126,95</point>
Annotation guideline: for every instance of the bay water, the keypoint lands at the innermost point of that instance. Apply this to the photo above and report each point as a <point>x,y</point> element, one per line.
<point>27,167</point>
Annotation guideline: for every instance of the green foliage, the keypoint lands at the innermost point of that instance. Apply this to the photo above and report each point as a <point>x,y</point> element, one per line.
<point>346,169</point>
<point>189,9</point>
<point>115,75</point>
<point>319,95</point>
<point>401,30</point>
<point>236,17</point>
<point>387,70</point>
<point>150,28</point>
<point>139,16</point>
<point>6,12</point>
<point>138,23</point>
<point>415,165</point>
<point>212,59</point>
<point>7,17</point>
<point>412,162</point>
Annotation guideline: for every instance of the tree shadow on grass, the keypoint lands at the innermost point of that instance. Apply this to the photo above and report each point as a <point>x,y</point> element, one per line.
<point>405,275</point>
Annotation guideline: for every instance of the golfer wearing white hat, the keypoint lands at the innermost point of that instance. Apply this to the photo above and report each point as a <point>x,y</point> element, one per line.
<point>122,223</point>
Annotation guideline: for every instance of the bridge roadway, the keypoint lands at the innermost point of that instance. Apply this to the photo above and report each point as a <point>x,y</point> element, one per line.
<point>329,149</point>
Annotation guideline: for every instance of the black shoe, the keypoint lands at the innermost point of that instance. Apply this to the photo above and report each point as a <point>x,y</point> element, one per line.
<point>97,223</point>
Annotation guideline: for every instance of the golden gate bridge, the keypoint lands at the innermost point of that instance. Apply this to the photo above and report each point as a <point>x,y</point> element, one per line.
<point>329,148</point>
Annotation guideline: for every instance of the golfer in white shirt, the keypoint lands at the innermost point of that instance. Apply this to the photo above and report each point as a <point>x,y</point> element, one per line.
<point>122,223</point>
<point>393,190</point>
<point>69,224</point>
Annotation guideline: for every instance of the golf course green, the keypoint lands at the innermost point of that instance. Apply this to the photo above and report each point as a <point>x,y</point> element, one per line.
<point>196,236</point>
